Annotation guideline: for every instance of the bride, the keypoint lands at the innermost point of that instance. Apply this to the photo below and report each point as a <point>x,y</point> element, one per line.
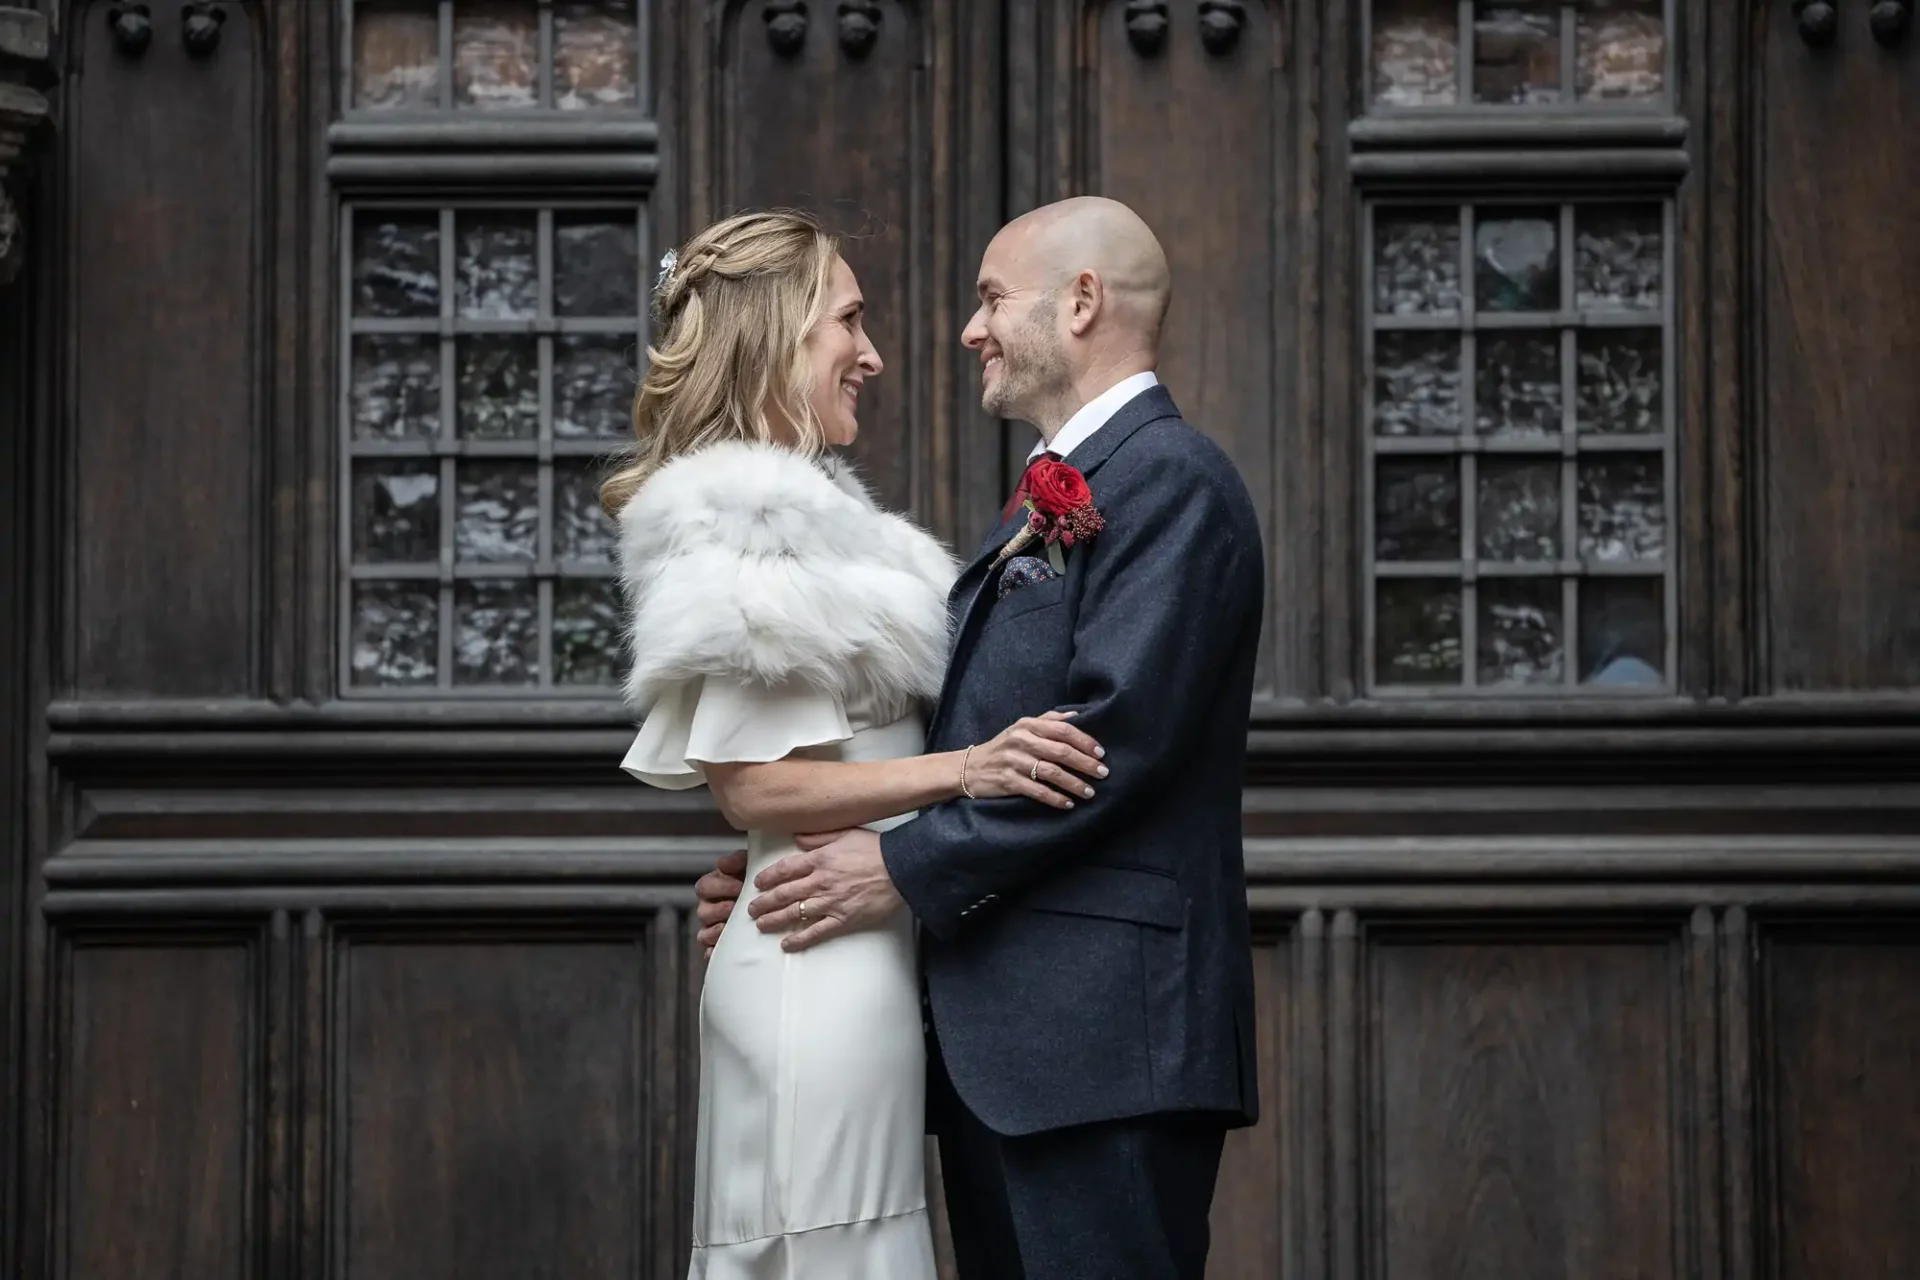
<point>788,636</point>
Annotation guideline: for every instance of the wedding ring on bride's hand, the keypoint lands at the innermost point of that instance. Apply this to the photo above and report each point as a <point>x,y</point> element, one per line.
<point>1033,774</point>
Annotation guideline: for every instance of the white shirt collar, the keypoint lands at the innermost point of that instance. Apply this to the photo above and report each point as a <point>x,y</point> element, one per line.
<point>1093,415</point>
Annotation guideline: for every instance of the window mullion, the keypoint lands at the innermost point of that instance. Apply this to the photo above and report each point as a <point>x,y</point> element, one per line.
<point>446,55</point>
<point>544,72</point>
<point>1569,52</point>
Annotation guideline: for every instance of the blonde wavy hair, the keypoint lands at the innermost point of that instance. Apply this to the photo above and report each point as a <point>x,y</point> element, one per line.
<point>732,313</point>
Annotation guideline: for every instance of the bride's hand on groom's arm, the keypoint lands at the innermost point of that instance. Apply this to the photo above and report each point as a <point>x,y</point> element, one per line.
<point>1043,758</point>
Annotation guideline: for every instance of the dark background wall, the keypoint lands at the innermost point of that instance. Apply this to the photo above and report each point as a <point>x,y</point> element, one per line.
<point>339,946</point>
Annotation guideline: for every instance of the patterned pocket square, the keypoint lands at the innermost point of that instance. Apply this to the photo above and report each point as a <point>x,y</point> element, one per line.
<point>1024,571</point>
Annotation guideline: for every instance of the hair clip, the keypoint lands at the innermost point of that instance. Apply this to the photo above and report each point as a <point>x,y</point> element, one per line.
<point>668,261</point>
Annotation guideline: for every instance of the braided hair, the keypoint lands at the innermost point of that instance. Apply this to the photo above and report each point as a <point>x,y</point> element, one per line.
<point>732,310</point>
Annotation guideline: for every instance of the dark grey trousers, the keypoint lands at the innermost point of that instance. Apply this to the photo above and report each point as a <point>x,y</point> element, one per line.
<point>1121,1200</point>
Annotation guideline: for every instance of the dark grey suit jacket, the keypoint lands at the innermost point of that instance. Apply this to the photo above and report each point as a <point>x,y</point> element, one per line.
<point>1095,964</point>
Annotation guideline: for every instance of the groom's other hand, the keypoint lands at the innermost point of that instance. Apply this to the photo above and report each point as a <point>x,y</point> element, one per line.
<point>836,884</point>
<point>717,891</point>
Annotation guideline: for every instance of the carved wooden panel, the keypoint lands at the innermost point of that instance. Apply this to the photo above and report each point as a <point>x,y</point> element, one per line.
<point>490,1115</point>
<point>157,1110</point>
<point>832,113</point>
<point>1838,386</point>
<point>1251,1219</point>
<point>1184,120</point>
<point>16,700</point>
<point>1842,1059</point>
<point>165,156</point>
<point>1521,1094</point>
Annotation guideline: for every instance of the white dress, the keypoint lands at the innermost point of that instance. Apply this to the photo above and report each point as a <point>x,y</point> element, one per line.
<point>812,1065</point>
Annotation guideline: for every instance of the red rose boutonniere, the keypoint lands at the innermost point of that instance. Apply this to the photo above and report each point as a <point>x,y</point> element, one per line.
<point>1060,511</point>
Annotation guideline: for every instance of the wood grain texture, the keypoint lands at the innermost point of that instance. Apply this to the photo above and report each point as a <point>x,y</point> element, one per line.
<point>157,1114</point>
<point>163,291</point>
<point>1714,451</point>
<point>1701,1179</point>
<point>1254,1222</point>
<point>1319,596</point>
<point>1839,387</point>
<point>475,1050</point>
<point>1307,1161</point>
<point>1841,1053</point>
<point>489,1118</point>
<point>16,695</point>
<point>848,139</point>
<point>1736,1022</point>
<point>670,1069</point>
<point>1524,1092</point>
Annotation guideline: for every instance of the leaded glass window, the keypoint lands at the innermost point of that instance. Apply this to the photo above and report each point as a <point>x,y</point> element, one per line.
<point>428,55</point>
<point>1527,53</point>
<point>490,356</point>
<point>1518,393</point>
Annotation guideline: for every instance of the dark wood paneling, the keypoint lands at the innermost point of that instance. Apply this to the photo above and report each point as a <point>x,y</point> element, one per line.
<point>15,698</point>
<point>1316,616</point>
<point>1196,143</point>
<point>1840,390</point>
<point>1522,1093</point>
<point>900,148</point>
<point>1842,1048</point>
<point>1254,1226</point>
<point>1712,454</point>
<point>162,285</point>
<point>157,1111</point>
<point>491,1114</point>
<point>1526,1096</point>
<point>850,138</point>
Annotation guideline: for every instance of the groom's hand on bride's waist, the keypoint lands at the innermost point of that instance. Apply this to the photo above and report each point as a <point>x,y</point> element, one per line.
<point>717,891</point>
<point>836,884</point>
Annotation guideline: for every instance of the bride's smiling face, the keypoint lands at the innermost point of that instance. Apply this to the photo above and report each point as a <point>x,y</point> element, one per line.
<point>841,357</point>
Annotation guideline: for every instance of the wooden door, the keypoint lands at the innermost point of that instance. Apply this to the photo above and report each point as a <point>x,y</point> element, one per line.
<point>1557,343</point>
<point>349,952</point>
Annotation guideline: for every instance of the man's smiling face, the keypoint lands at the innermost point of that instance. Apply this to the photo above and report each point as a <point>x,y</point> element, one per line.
<point>1016,331</point>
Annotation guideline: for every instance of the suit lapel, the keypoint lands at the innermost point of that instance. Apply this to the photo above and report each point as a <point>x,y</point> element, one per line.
<point>1151,405</point>
<point>961,604</point>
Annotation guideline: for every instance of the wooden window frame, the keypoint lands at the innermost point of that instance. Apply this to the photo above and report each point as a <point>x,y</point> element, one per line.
<point>1571,447</point>
<point>543,107</point>
<point>449,449</point>
<point>1569,105</point>
<point>1465,154</point>
<point>451,160</point>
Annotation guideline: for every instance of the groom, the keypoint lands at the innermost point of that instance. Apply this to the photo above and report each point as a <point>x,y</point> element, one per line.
<point>1088,972</point>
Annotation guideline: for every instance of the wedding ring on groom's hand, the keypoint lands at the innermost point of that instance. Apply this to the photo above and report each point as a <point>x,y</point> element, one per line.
<point>1033,774</point>
<point>803,909</point>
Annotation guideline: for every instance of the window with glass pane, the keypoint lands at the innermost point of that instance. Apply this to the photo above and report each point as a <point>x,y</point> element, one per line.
<point>1530,53</point>
<point>468,55</point>
<point>1519,503</point>
<point>491,358</point>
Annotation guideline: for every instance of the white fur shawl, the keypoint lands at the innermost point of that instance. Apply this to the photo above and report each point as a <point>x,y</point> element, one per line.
<point>749,561</point>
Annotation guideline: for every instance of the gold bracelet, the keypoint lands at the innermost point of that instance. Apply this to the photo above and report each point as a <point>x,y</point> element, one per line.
<point>966,790</point>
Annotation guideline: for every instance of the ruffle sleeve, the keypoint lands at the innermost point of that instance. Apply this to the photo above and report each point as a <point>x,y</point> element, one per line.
<point>713,720</point>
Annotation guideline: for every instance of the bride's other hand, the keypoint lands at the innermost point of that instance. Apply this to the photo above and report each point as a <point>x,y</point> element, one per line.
<point>1041,757</point>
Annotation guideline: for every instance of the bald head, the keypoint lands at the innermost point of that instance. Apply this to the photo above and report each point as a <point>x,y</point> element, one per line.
<point>1072,298</point>
<point>1092,234</point>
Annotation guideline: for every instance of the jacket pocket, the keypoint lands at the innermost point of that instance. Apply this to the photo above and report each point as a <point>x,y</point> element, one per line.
<point>1040,595</point>
<point>1133,894</point>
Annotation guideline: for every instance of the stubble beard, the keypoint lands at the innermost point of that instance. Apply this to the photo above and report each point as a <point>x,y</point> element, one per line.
<point>1035,378</point>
